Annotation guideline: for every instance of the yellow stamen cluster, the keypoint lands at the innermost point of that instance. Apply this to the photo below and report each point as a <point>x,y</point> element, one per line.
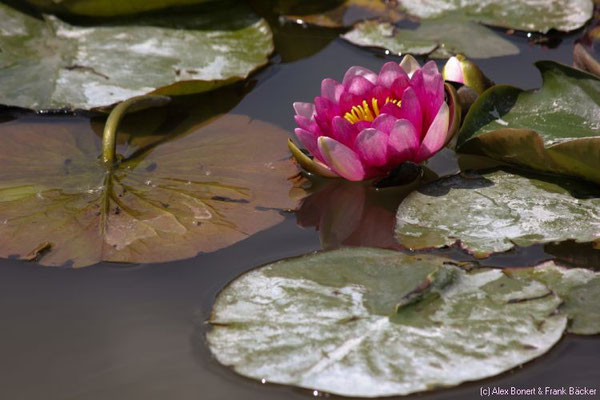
<point>363,112</point>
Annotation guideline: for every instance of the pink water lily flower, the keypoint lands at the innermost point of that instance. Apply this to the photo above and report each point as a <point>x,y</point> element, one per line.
<point>370,123</point>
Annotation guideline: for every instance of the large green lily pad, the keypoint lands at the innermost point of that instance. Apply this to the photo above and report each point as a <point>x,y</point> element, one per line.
<point>199,192</point>
<point>368,323</point>
<point>49,64</point>
<point>578,287</point>
<point>495,211</point>
<point>554,129</point>
<point>526,15</point>
<point>440,38</point>
<point>107,8</point>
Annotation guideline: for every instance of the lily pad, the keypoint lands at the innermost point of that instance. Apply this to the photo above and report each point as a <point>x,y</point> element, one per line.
<point>495,211</point>
<point>49,64</point>
<point>440,38</point>
<point>553,129</point>
<point>526,15</point>
<point>368,323</point>
<point>579,288</point>
<point>202,191</point>
<point>107,8</point>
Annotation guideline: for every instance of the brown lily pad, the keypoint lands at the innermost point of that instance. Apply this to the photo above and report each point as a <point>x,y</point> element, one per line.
<point>222,182</point>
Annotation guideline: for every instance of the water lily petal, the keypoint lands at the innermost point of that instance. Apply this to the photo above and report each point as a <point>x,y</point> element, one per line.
<point>305,109</point>
<point>410,65</point>
<point>411,110</point>
<point>391,109</point>
<point>314,166</point>
<point>389,73</point>
<point>331,89</point>
<point>341,159</point>
<point>453,70</point>
<point>309,141</point>
<point>326,110</point>
<point>371,146</point>
<point>308,124</point>
<point>433,83</point>
<point>343,131</point>
<point>436,136</point>
<point>360,86</point>
<point>384,123</point>
<point>359,71</point>
<point>400,85</point>
<point>403,142</point>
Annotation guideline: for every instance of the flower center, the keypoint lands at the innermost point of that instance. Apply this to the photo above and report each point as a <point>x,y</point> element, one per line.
<point>364,112</point>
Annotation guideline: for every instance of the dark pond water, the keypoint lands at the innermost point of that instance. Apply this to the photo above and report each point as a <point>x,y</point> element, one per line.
<point>137,331</point>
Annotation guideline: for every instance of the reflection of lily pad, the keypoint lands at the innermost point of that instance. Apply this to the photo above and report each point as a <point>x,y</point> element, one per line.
<point>197,193</point>
<point>365,322</point>
<point>50,64</point>
<point>442,38</point>
<point>554,129</point>
<point>527,15</point>
<point>496,211</point>
<point>578,288</point>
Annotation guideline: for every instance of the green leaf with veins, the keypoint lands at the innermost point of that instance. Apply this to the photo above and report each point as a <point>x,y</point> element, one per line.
<point>495,211</point>
<point>367,323</point>
<point>526,15</point>
<point>578,287</point>
<point>49,64</point>
<point>202,191</point>
<point>440,38</point>
<point>554,129</point>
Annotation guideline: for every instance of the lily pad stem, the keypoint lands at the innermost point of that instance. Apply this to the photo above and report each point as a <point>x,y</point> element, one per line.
<point>109,137</point>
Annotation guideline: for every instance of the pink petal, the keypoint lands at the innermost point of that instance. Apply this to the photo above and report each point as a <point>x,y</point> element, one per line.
<point>360,87</point>
<point>434,88</point>
<point>343,131</point>
<point>381,93</point>
<point>359,71</point>
<point>308,124</point>
<point>326,110</point>
<point>436,136</point>
<point>453,70</point>
<point>305,109</point>
<point>402,142</point>
<point>341,159</point>
<point>362,125</point>
<point>409,64</point>
<point>411,110</point>
<point>331,89</point>
<point>391,109</point>
<point>384,123</point>
<point>371,146</point>
<point>389,73</point>
<point>348,100</point>
<point>400,85</point>
<point>309,141</point>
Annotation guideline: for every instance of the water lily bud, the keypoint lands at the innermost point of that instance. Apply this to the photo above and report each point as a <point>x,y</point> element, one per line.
<point>370,123</point>
<point>462,70</point>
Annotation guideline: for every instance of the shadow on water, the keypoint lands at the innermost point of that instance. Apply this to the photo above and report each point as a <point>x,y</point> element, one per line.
<point>137,332</point>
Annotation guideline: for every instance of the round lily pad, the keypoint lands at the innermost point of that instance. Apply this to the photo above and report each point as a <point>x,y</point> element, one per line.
<point>578,287</point>
<point>367,323</point>
<point>199,192</point>
<point>50,64</point>
<point>495,211</point>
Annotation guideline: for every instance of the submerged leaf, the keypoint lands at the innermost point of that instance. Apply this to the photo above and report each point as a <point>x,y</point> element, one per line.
<point>350,12</point>
<point>442,38</point>
<point>579,289</point>
<point>365,322</point>
<point>106,8</point>
<point>496,211</point>
<point>526,15</point>
<point>553,129</point>
<point>208,189</point>
<point>49,64</point>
